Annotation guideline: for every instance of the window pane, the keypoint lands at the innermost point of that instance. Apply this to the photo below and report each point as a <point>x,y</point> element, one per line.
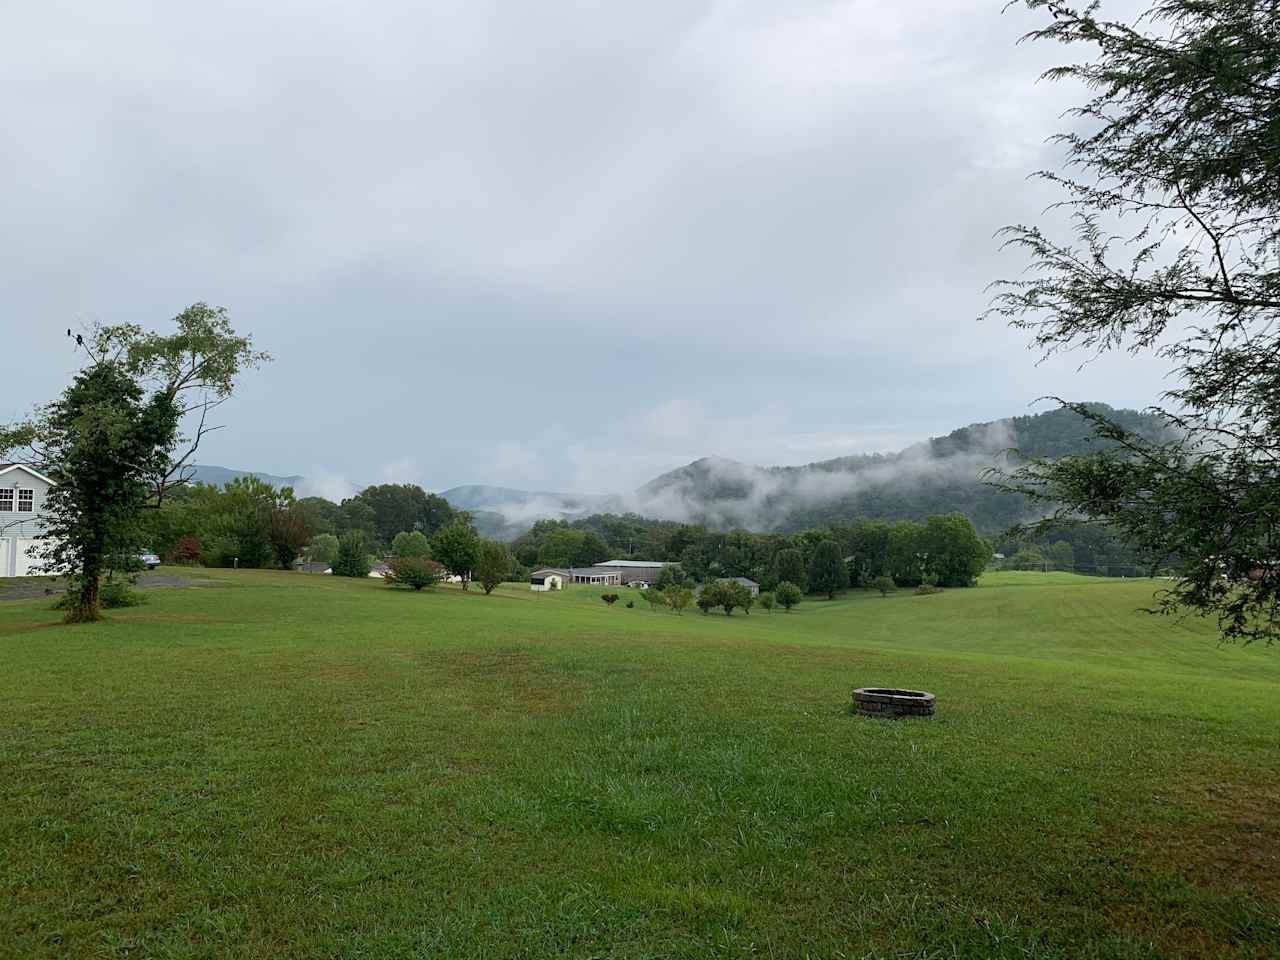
<point>26,499</point>
<point>6,501</point>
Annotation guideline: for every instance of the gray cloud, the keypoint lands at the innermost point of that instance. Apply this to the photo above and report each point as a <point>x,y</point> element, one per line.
<point>549,245</point>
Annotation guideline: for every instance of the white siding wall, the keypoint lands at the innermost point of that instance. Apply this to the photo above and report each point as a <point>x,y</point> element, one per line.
<point>19,530</point>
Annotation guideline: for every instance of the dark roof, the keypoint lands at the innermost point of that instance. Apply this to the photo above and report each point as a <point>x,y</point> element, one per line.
<point>745,581</point>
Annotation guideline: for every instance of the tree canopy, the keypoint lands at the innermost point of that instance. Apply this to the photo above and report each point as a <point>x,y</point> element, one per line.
<point>1172,180</point>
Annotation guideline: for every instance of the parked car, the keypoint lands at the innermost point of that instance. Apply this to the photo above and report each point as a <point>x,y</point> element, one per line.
<point>149,560</point>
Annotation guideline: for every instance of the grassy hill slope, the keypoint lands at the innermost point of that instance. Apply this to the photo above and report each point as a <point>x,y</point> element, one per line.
<point>278,765</point>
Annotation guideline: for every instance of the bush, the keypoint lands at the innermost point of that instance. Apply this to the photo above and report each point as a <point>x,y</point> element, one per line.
<point>767,602</point>
<point>186,550</point>
<point>112,595</point>
<point>414,572</point>
<point>926,589</point>
<point>656,598</point>
<point>787,595</point>
<point>493,565</point>
<point>609,598</point>
<point>884,584</point>
<point>631,604</point>
<point>353,556</point>
<point>706,601</point>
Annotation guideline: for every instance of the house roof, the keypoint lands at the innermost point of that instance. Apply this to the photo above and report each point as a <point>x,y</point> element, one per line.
<point>9,467</point>
<point>563,573</point>
<point>745,581</point>
<point>634,563</point>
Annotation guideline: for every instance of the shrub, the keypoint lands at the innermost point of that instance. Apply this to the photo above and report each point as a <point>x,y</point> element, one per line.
<point>609,598</point>
<point>655,597</point>
<point>787,595</point>
<point>112,595</point>
<point>414,572</point>
<point>705,601</point>
<point>884,584</point>
<point>493,565</point>
<point>353,556</point>
<point>631,604</point>
<point>766,602</point>
<point>186,550</point>
<point>926,589</point>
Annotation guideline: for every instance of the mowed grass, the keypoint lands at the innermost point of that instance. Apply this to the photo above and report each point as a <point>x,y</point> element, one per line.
<point>280,765</point>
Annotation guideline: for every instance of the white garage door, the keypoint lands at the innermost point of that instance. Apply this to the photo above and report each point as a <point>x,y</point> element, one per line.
<point>6,548</point>
<point>26,557</point>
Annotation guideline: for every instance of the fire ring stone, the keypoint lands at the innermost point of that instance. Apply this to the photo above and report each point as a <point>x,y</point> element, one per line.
<point>890,702</point>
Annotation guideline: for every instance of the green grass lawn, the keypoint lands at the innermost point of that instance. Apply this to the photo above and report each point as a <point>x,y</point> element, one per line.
<point>282,765</point>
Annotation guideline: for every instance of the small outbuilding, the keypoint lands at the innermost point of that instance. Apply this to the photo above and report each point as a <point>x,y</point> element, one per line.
<point>549,579</point>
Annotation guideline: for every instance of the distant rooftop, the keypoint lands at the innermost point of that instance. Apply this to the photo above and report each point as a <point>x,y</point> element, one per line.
<point>634,563</point>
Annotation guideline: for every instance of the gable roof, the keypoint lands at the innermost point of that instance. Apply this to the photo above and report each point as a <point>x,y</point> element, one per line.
<point>10,467</point>
<point>634,563</point>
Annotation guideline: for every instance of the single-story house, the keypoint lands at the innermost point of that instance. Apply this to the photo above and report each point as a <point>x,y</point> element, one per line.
<point>554,578</point>
<point>636,572</point>
<point>746,582</point>
<point>22,496</point>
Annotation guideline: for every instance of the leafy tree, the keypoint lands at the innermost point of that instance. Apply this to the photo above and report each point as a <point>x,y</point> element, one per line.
<point>884,584</point>
<point>672,575</point>
<point>113,442</point>
<point>288,531</point>
<point>457,547</point>
<point>356,514</point>
<point>412,571</point>
<point>706,600</point>
<point>410,543</point>
<point>323,548</point>
<point>656,598</point>
<point>767,601</point>
<point>1182,134</point>
<point>957,555</point>
<point>406,506</point>
<point>788,595</point>
<point>1061,555</point>
<point>827,572</point>
<point>353,555</point>
<point>1029,557</point>
<point>789,567</point>
<point>493,565</point>
<point>321,515</point>
<point>727,594</point>
<point>678,597</point>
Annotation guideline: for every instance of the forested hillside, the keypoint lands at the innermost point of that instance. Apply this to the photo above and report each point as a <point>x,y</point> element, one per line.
<point>941,475</point>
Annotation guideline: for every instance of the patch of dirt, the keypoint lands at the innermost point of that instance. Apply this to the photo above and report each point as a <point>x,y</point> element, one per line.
<point>1237,848</point>
<point>1229,848</point>
<point>511,677</point>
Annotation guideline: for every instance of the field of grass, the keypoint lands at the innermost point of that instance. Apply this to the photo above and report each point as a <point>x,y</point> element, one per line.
<point>278,765</point>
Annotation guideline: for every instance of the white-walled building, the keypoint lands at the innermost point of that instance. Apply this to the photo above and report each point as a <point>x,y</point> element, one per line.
<point>22,496</point>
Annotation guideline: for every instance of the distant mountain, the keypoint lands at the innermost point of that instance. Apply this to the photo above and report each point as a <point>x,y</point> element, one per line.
<point>217,476</point>
<point>941,475</point>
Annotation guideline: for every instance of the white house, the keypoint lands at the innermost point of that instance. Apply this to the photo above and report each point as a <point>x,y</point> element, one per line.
<point>22,496</point>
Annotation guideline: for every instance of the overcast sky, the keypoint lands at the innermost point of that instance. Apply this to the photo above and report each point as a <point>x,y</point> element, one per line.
<point>558,245</point>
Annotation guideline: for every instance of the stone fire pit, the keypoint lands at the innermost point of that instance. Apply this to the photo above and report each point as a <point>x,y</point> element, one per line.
<point>890,702</point>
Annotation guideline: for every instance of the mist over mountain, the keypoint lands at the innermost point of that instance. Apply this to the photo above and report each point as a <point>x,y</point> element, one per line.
<point>940,475</point>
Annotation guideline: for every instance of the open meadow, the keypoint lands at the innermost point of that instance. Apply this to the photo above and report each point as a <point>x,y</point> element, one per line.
<point>281,765</point>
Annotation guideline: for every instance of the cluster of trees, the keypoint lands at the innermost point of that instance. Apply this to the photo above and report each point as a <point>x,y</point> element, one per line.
<point>249,523</point>
<point>945,550</point>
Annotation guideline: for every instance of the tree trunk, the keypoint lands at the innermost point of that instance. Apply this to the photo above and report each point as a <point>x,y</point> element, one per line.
<point>84,607</point>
